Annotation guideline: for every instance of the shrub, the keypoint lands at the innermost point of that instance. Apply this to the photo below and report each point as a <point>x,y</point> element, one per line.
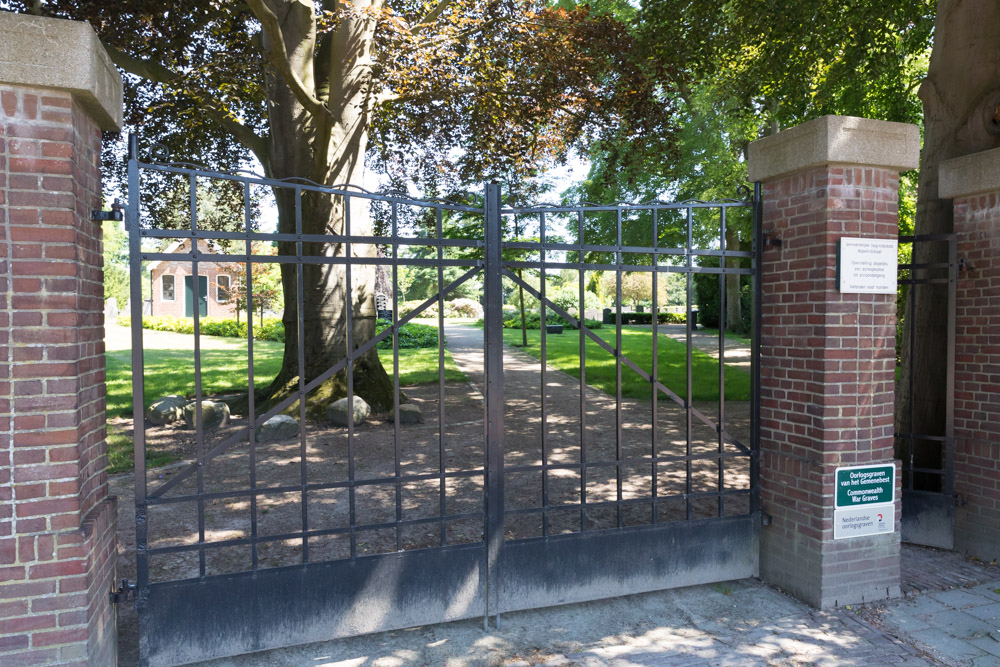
<point>408,307</point>
<point>467,308</point>
<point>534,321</point>
<point>646,318</point>
<point>410,335</point>
<point>270,328</point>
<point>568,298</point>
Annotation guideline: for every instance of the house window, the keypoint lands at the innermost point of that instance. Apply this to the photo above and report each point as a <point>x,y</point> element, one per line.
<point>168,287</point>
<point>222,289</point>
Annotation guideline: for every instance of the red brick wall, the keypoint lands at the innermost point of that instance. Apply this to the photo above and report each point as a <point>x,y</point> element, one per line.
<point>977,377</point>
<point>57,535</point>
<point>827,368</point>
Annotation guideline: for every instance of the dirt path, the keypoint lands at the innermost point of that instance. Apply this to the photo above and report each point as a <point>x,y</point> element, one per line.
<point>445,476</point>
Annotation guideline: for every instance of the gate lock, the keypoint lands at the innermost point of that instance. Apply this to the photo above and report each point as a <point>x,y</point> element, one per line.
<point>125,592</point>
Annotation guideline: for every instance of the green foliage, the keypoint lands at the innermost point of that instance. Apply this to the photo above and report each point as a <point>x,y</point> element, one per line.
<point>707,296</point>
<point>458,308</point>
<point>116,269</point>
<point>411,335</point>
<point>568,298</point>
<point>270,328</point>
<point>534,321</point>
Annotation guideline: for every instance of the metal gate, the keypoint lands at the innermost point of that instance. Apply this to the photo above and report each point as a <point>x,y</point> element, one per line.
<point>545,488</point>
<point>925,410</point>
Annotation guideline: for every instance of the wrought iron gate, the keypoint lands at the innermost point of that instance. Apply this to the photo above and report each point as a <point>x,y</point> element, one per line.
<point>927,448</point>
<point>536,500</point>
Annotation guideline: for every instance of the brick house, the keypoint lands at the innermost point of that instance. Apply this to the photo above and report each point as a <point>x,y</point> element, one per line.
<point>173,286</point>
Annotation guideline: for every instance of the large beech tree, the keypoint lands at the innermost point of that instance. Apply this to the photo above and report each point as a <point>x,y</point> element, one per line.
<point>472,89</point>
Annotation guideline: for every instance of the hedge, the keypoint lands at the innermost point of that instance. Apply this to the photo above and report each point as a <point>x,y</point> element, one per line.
<point>270,328</point>
<point>534,321</point>
<point>410,335</point>
<point>646,318</point>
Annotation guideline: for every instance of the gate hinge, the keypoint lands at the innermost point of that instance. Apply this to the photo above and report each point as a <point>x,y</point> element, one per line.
<point>125,592</point>
<point>117,212</point>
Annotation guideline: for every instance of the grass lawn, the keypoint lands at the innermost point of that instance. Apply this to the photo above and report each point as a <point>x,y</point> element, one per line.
<point>171,371</point>
<point>563,352</point>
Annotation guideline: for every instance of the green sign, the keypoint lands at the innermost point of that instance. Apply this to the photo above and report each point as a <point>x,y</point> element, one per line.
<point>865,485</point>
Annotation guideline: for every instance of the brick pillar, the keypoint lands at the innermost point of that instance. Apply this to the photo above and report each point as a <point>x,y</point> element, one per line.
<point>973,182</point>
<point>58,91</point>
<point>827,358</point>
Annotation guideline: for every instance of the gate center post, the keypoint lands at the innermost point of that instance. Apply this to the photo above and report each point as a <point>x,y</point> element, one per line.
<point>827,358</point>
<point>493,366</point>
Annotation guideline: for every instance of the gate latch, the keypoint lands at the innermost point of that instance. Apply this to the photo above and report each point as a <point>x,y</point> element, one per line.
<point>117,212</point>
<point>125,592</point>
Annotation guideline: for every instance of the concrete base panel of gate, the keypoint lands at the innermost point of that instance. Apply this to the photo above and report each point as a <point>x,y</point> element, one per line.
<point>194,620</point>
<point>601,564</point>
<point>928,519</point>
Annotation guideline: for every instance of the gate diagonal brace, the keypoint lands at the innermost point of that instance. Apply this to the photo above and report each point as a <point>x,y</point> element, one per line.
<point>628,362</point>
<point>229,442</point>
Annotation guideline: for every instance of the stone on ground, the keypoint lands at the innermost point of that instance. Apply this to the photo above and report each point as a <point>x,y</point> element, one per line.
<point>278,427</point>
<point>166,410</point>
<point>213,414</point>
<point>408,414</point>
<point>336,412</point>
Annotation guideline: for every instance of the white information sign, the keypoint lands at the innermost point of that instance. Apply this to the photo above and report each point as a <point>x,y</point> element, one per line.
<point>861,521</point>
<point>867,266</point>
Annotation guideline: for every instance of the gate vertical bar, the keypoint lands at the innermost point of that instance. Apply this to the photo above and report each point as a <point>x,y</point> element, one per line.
<point>198,395</point>
<point>723,277</point>
<point>493,366</point>
<point>689,326</point>
<point>948,485</point>
<point>138,388</point>
<point>758,295</point>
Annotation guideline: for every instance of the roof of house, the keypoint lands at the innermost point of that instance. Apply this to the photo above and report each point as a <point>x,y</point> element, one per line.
<point>173,247</point>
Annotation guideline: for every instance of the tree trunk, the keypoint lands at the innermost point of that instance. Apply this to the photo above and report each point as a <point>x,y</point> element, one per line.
<point>325,150</point>
<point>961,96</point>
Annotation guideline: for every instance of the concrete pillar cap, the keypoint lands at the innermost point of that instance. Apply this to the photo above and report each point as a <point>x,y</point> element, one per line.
<point>969,175</point>
<point>64,55</point>
<point>842,140</point>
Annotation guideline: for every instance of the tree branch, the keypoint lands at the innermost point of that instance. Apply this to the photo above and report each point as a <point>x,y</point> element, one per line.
<point>157,73</point>
<point>278,57</point>
<point>430,16</point>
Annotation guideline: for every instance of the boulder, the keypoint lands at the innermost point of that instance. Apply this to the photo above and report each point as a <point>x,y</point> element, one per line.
<point>166,410</point>
<point>278,427</point>
<point>213,414</point>
<point>336,412</point>
<point>408,414</point>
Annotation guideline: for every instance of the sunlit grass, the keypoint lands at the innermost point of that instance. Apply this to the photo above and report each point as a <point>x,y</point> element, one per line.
<point>563,352</point>
<point>224,371</point>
